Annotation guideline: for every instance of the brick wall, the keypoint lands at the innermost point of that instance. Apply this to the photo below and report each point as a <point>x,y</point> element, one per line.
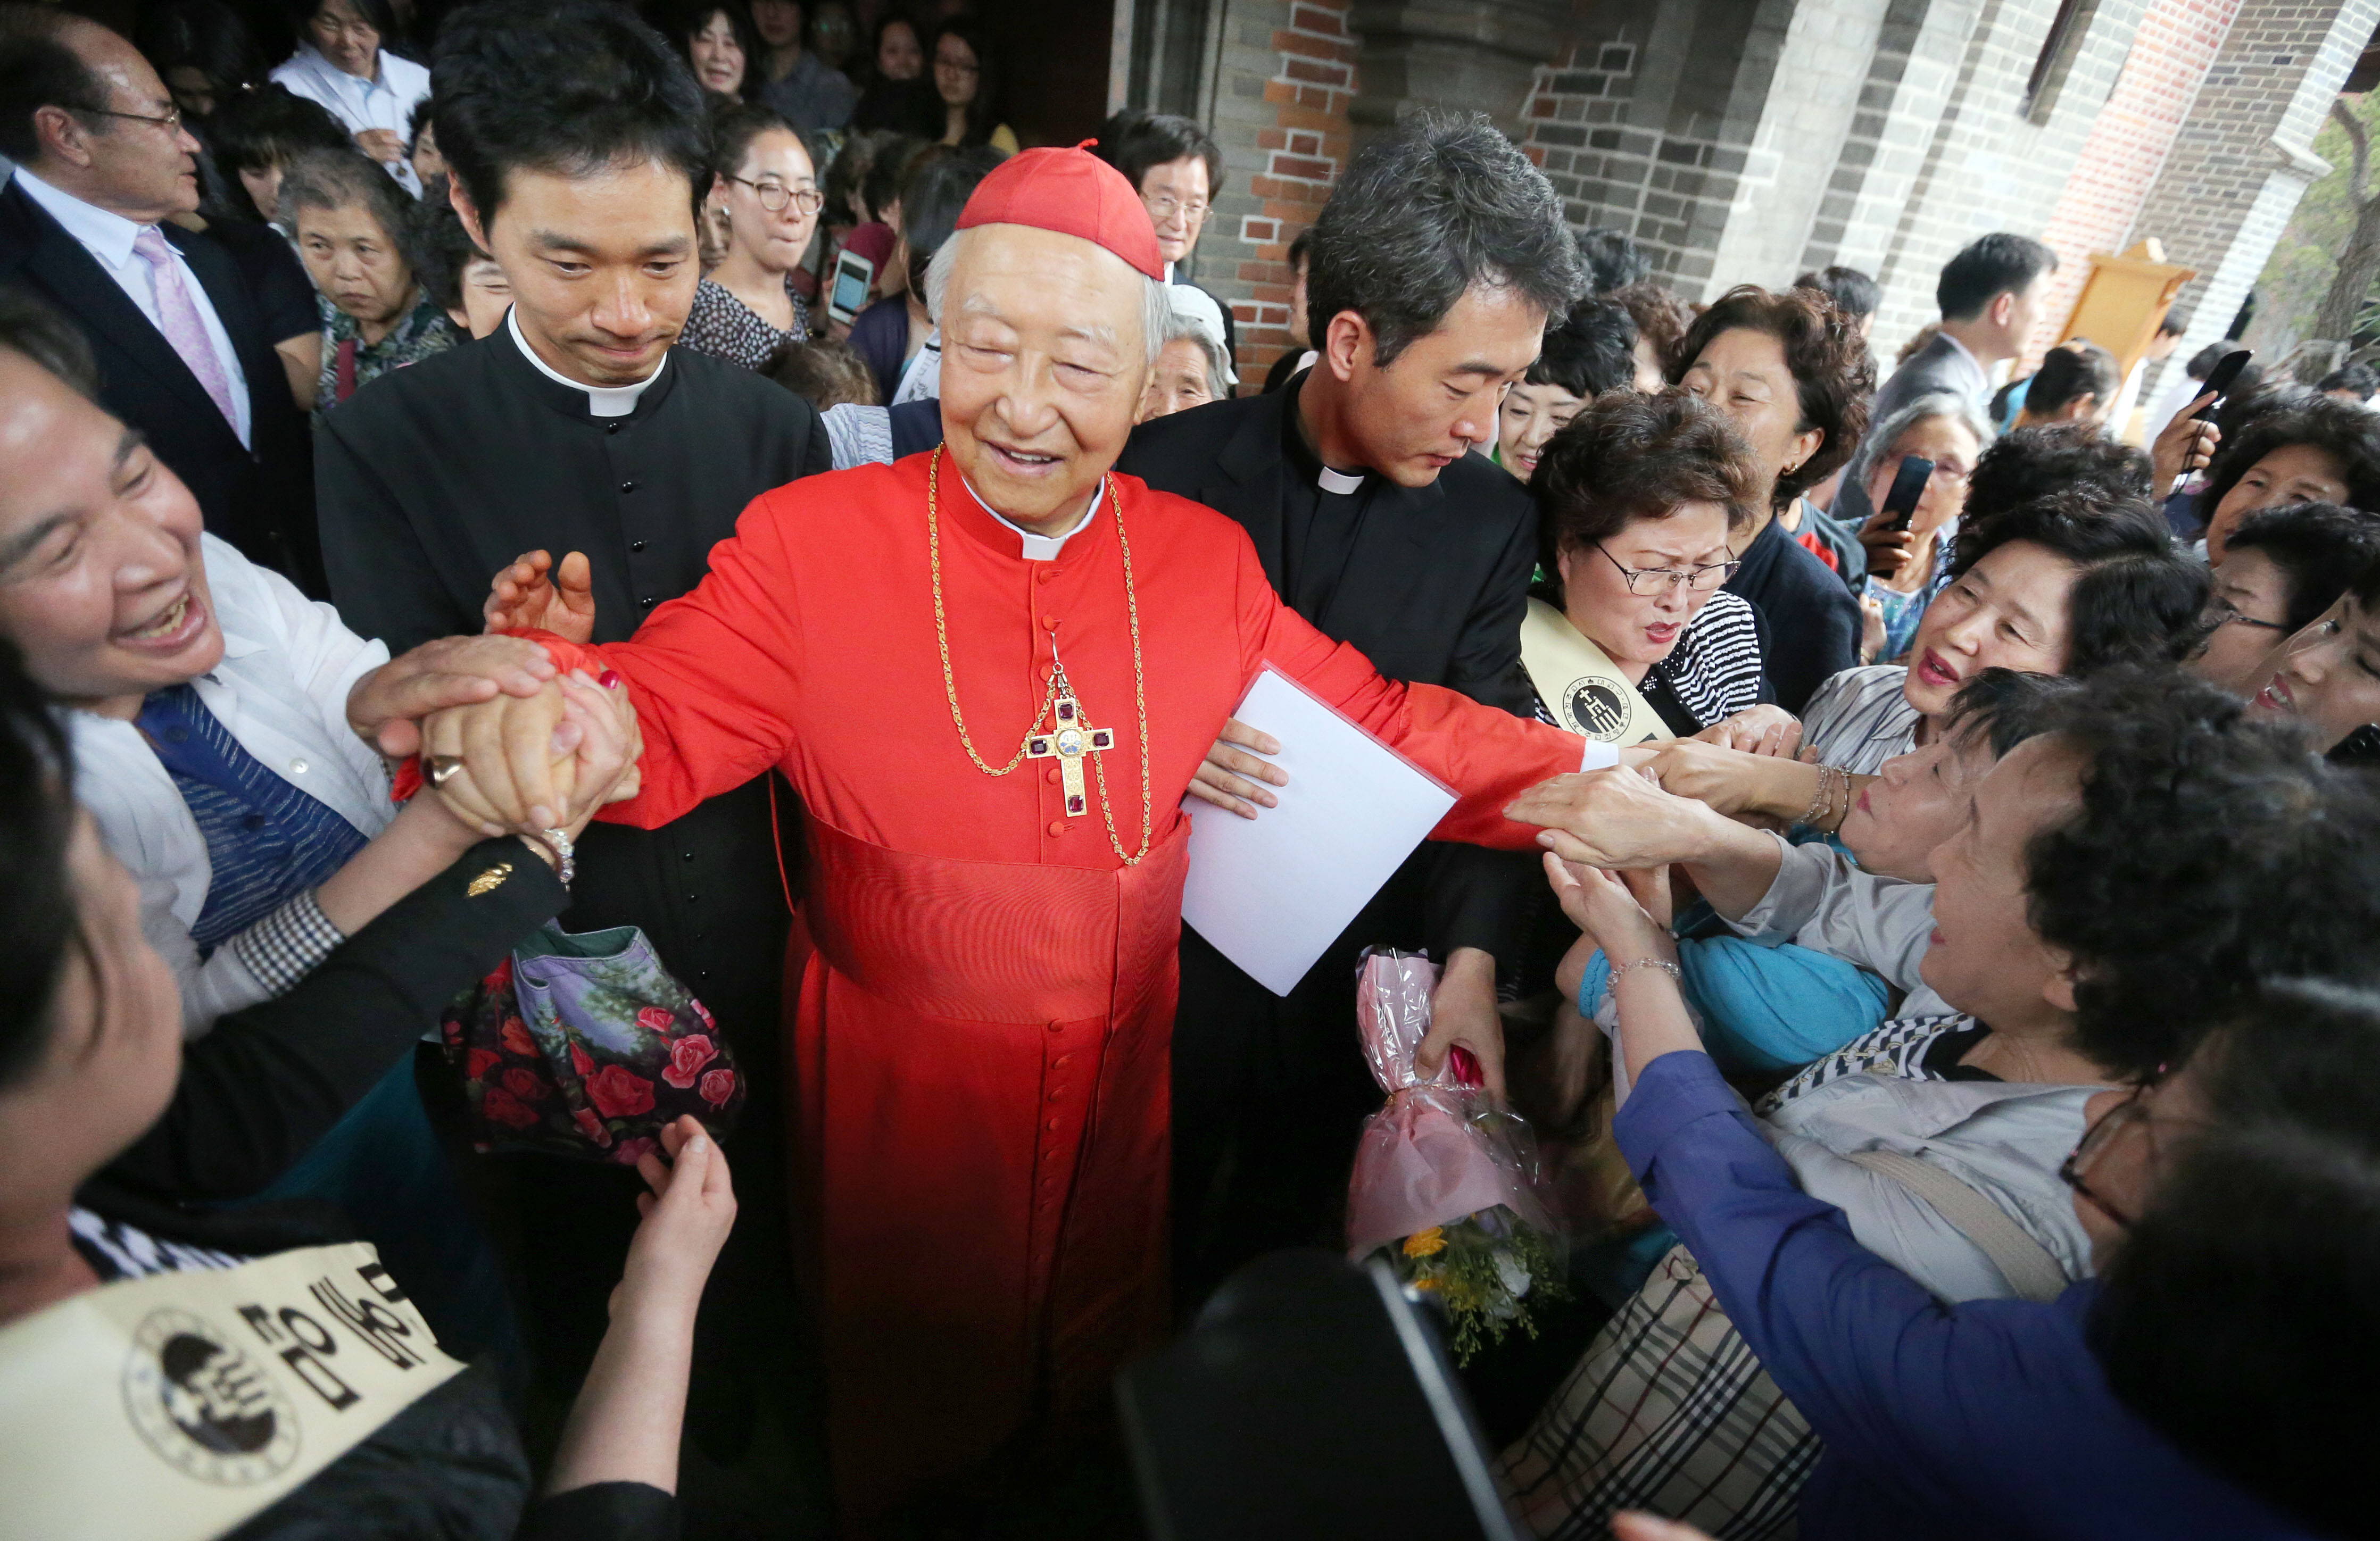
<point>2245,154</point>
<point>2101,205</point>
<point>1280,117</point>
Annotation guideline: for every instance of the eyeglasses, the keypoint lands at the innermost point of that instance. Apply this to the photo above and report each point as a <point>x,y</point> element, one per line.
<point>2095,1142</point>
<point>1648,581</point>
<point>774,196</point>
<point>171,122</point>
<point>2222,613</point>
<point>1164,206</point>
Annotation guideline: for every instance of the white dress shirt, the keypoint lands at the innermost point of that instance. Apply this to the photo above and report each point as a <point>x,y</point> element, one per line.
<point>386,103</point>
<point>108,238</point>
<point>282,689</point>
<point>602,401</point>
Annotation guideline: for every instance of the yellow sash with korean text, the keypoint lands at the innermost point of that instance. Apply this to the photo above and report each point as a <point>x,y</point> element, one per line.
<point>1579,684</point>
<point>175,1407</point>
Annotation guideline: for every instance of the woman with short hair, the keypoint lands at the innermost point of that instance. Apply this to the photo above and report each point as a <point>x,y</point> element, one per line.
<point>1795,377</point>
<point>717,42</point>
<point>343,62</point>
<point>1906,568</point>
<point>748,309</point>
<point>2327,676</point>
<point>356,236</point>
<point>2314,450</point>
<point>2282,568</point>
<point>1590,353</point>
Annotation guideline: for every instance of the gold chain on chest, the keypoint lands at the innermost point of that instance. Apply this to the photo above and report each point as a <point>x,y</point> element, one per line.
<point>1050,695</point>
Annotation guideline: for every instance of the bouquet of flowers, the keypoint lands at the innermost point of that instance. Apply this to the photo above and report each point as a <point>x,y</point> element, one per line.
<point>1447,1184</point>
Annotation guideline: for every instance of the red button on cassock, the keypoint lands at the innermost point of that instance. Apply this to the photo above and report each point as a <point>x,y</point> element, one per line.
<point>1057,828</point>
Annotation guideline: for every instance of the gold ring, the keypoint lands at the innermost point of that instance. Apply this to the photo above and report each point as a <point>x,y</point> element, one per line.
<point>443,769</point>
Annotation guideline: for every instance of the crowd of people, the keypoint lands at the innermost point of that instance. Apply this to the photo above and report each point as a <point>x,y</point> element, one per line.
<point>504,717</point>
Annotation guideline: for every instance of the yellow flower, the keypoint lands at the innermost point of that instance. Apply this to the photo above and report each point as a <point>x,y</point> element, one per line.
<point>1425,1285</point>
<point>1427,1243</point>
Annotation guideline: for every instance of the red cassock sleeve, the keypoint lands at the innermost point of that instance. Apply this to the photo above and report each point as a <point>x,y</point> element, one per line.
<point>713,676</point>
<point>1489,756</point>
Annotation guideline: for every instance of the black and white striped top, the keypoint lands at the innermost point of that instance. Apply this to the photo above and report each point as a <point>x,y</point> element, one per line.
<point>1712,673</point>
<point>1913,1048</point>
<point>1859,719</point>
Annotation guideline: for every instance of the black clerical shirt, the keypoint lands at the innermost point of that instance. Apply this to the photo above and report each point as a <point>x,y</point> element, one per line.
<point>433,477</point>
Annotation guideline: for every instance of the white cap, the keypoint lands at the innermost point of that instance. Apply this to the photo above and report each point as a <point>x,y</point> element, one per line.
<point>1196,310</point>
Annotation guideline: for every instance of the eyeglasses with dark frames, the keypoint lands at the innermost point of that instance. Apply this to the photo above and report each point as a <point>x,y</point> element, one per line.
<point>774,196</point>
<point>2222,613</point>
<point>1660,580</point>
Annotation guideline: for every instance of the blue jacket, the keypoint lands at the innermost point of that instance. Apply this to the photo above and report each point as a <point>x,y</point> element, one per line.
<point>1988,1420</point>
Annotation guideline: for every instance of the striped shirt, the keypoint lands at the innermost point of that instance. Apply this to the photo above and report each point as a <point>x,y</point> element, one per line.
<point>1713,673</point>
<point>1913,1048</point>
<point>1859,719</point>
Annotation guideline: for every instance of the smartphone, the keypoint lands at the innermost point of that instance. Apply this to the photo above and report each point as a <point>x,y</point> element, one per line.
<point>2220,382</point>
<point>1908,486</point>
<point>2360,748</point>
<point>848,296</point>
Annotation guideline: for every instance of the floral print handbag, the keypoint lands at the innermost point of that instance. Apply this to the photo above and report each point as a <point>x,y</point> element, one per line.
<point>585,1046</point>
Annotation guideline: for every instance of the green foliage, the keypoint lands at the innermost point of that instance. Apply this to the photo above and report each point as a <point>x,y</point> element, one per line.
<point>2305,259</point>
<point>1470,1277</point>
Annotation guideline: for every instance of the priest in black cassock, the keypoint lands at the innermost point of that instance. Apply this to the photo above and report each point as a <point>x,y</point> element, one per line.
<point>577,143</point>
<point>1432,272</point>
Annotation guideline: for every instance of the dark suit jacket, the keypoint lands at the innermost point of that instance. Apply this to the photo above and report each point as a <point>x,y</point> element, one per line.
<point>259,498</point>
<point>1432,594</point>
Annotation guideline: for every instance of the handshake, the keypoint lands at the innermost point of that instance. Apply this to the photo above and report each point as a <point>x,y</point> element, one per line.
<point>508,743</point>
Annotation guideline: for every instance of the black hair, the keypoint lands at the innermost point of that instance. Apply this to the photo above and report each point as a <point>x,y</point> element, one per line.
<point>2347,432</point>
<point>889,171</point>
<point>983,108</point>
<point>2358,378</point>
<point>846,177</point>
<point>1300,246</point>
<point>2240,1315</point>
<point>2209,851</point>
<point>38,912</point>
<point>36,331</point>
<point>562,86</point>
<point>1660,316</point>
<point>2168,327</point>
<point>1833,377</point>
<point>2068,374</point>
<point>2005,707</point>
<point>2134,599</point>
<point>1590,352</point>
<point>2035,461</point>
<point>346,178</point>
<point>1854,292</point>
<point>686,17</point>
<point>1612,259</point>
<point>270,126</point>
<point>932,203</point>
<point>443,253</point>
<point>1627,457</point>
<point>2202,362</point>
<point>734,126</point>
<point>2318,548</point>
<point>1435,206</point>
<point>1135,141</point>
<point>1990,265</point>
<point>39,69</point>
<point>204,35</point>
<point>379,13</point>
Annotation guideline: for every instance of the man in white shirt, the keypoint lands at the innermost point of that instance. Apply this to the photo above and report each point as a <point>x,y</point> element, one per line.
<point>103,166</point>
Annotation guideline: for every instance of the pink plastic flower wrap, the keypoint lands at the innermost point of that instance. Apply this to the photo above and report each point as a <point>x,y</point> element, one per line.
<point>1447,1183</point>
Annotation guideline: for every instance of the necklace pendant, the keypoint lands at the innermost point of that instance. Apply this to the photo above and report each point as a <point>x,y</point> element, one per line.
<point>1069,741</point>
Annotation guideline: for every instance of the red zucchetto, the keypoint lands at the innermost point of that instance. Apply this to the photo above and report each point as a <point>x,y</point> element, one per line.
<point>1075,193</point>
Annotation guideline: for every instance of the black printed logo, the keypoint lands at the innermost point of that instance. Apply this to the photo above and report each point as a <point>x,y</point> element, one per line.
<point>209,1410</point>
<point>1599,710</point>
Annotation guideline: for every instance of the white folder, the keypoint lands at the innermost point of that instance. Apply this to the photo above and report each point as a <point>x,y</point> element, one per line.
<point>1272,891</point>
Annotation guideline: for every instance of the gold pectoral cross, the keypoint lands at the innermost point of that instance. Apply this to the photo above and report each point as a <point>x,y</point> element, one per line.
<point>1068,744</point>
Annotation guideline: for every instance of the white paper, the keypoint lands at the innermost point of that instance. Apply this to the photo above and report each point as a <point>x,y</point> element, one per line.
<point>1272,891</point>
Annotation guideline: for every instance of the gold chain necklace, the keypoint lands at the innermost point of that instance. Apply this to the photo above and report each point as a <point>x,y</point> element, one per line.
<point>1050,695</point>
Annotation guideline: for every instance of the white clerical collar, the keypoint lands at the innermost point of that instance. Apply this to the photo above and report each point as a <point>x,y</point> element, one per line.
<point>1339,482</point>
<point>602,401</point>
<point>1039,548</point>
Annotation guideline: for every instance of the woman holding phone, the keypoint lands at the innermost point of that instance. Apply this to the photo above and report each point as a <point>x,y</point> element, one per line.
<point>1910,549</point>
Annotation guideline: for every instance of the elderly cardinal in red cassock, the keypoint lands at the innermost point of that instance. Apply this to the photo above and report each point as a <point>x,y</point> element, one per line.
<point>991,670</point>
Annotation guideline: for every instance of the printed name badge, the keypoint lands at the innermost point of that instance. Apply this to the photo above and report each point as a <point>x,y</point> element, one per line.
<point>1579,684</point>
<point>173,1408</point>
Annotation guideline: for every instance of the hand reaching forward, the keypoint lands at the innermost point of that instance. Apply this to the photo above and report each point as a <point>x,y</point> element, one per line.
<point>1613,818</point>
<point>534,595</point>
<point>1219,781</point>
<point>385,706</point>
<point>546,761</point>
<point>1766,729</point>
<point>686,1217</point>
<point>1626,914</point>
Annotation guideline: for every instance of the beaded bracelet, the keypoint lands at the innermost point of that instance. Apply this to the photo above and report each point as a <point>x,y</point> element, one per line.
<point>1833,782</point>
<point>1664,965</point>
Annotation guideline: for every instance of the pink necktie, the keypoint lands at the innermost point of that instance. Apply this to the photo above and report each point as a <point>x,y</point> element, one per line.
<point>177,316</point>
